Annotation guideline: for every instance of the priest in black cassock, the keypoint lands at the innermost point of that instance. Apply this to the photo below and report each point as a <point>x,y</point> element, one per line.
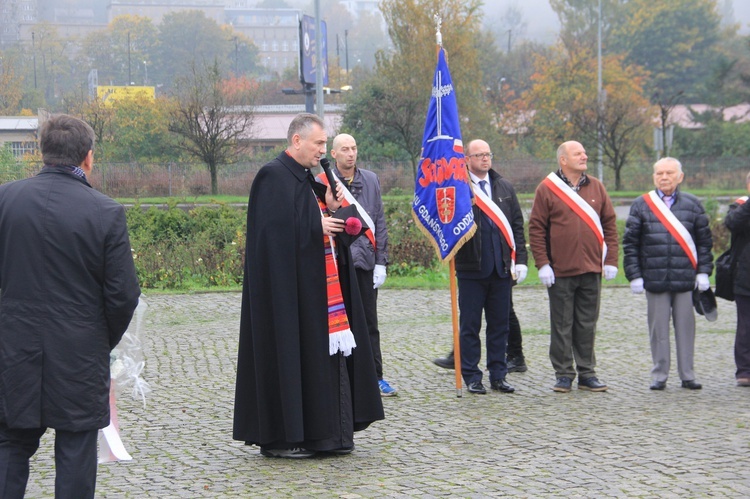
<point>303,387</point>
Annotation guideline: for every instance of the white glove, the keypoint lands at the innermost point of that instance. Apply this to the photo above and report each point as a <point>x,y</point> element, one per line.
<point>701,282</point>
<point>378,276</point>
<point>610,272</point>
<point>521,273</point>
<point>547,275</point>
<point>636,286</point>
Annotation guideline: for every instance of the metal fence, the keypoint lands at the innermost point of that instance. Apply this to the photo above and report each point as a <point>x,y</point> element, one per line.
<point>140,180</point>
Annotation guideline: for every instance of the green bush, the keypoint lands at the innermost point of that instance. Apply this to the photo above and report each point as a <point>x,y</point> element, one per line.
<point>176,248</point>
<point>409,251</point>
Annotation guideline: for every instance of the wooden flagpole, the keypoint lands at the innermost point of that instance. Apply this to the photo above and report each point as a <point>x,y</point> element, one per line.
<point>454,316</point>
<point>452,265</point>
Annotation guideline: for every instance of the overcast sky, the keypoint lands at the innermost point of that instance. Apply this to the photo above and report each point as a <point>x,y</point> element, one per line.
<point>542,24</point>
<point>541,21</point>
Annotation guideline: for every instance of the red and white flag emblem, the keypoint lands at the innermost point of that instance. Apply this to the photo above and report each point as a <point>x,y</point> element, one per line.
<point>446,203</point>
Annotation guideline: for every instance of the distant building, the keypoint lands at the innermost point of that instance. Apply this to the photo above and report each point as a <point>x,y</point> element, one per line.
<point>20,133</point>
<point>14,13</point>
<point>157,9</point>
<point>682,114</point>
<point>274,31</point>
<point>357,7</point>
<point>272,123</point>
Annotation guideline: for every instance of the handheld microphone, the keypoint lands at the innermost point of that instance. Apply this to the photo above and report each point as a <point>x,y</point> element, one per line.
<point>329,174</point>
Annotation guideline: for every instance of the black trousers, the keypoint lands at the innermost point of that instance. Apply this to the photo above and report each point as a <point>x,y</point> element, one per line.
<point>742,337</point>
<point>75,461</point>
<point>490,296</point>
<point>515,341</point>
<point>370,302</point>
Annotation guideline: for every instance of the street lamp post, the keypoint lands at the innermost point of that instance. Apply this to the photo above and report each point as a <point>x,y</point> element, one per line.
<point>130,78</point>
<point>346,53</point>
<point>145,73</point>
<point>33,54</point>
<point>236,59</point>
<point>509,33</point>
<point>599,98</point>
<point>318,62</point>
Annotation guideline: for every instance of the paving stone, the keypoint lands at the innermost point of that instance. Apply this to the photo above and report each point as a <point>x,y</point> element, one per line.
<point>627,442</point>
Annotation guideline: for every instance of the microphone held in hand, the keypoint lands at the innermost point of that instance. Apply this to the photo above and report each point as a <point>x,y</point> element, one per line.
<point>329,174</point>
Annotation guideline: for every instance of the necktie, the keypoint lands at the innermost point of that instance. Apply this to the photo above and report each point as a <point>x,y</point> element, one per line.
<point>668,200</point>
<point>483,185</point>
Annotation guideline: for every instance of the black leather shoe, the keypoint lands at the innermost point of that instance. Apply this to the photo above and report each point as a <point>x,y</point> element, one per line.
<point>516,365</point>
<point>691,384</point>
<point>591,384</point>
<point>658,385</point>
<point>501,386</point>
<point>476,387</point>
<point>563,384</point>
<point>446,362</point>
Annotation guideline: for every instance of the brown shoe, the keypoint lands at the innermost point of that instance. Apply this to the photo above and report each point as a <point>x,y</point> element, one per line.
<point>743,381</point>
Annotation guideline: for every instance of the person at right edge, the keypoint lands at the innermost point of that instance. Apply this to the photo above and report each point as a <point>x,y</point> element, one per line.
<point>667,246</point>
<point>738,222</point>
<point>573,237</point>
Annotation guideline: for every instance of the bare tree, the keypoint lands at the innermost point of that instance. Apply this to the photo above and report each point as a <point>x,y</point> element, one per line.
<point>211,117</point>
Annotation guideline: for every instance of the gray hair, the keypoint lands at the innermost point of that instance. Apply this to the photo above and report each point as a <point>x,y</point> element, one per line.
<point>667,159</point>
<point>303,123</point>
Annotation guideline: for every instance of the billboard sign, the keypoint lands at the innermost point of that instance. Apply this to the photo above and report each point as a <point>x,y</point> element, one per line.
<point>109,93</point>
<point>307,48</point>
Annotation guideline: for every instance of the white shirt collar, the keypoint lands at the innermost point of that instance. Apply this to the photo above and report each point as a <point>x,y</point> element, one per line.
<point>476,179</point>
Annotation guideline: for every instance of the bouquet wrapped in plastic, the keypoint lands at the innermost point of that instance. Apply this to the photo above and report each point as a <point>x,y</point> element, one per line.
<point>126,366</point>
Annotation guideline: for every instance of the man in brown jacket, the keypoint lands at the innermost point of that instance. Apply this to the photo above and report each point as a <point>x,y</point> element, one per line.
<point>573,238</point>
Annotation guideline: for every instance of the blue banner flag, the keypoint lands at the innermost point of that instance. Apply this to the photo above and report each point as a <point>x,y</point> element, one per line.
<point>442,192</point>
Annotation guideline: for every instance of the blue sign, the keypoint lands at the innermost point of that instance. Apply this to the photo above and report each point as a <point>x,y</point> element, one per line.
<point>307,45</point>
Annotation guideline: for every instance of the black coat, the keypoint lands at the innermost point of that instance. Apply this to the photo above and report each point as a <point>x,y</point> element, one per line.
<point>283,388</point>
<point>653,254</point>
<point>69,290</point>
<point>738,221</point>
<point>468,258</point>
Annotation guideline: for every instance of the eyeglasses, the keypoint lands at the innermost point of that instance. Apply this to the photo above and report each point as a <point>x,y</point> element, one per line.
<point>483,155</point>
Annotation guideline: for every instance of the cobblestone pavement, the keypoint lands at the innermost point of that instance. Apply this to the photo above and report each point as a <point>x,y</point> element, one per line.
<point>627,442</point>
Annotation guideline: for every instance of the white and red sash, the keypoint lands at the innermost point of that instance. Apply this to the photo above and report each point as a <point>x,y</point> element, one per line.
<point>741,200</point>
<point>349,200</point>
<point>580,207</point>
<point>674,226</point>
<point>493,211</point>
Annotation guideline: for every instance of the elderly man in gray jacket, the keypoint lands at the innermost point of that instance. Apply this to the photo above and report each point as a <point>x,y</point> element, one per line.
<point>667,247</point>
<point>370,253</point>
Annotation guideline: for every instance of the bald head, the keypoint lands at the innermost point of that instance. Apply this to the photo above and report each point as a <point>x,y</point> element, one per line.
<point>572,159</point>
<point>480,157</point>
<point>344,152</point>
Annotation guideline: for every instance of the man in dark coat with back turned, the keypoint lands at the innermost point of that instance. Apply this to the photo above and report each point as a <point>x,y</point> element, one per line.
<point>296,394</point>
<point>68,291</point>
